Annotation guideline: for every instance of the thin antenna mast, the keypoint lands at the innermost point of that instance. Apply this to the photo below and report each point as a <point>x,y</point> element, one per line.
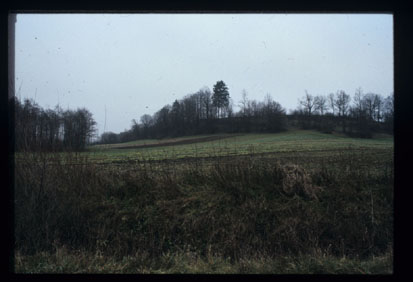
<point>104,127</point>
<point>18,92</point>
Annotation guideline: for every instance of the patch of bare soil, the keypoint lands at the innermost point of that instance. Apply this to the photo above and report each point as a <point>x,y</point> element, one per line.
<point>179,142</point>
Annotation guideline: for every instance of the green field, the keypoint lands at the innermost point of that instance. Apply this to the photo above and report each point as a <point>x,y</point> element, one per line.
<point>290,142</point>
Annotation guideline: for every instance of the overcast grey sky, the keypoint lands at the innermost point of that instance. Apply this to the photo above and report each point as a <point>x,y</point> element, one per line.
<point>133,64</point>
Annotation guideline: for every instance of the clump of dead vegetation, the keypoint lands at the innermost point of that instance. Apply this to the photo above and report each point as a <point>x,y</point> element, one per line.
<point>297,181</point>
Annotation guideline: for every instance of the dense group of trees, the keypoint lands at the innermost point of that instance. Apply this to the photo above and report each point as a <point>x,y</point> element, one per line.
<point>39,129</point>
<point>359,116</point>
<point>202,112</point>
<point>209,111</point>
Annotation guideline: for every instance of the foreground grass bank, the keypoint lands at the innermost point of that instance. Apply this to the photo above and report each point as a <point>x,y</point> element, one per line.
<point>248,215</point>
<point>64,261</point>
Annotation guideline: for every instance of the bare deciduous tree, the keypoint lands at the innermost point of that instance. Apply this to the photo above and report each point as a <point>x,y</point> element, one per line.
<point>308,103</point>
<point>320,104</point>
<point>342,102</point>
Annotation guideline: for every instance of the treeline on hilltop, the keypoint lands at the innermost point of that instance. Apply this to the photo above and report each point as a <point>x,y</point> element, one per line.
<point>360,116</point>
<point>203,112</point>
<point>36,128</point>
<point>206,112</point>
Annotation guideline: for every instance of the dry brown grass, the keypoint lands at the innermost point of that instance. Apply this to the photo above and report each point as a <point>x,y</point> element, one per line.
<point>231,210</point>
<point>297,181</point>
